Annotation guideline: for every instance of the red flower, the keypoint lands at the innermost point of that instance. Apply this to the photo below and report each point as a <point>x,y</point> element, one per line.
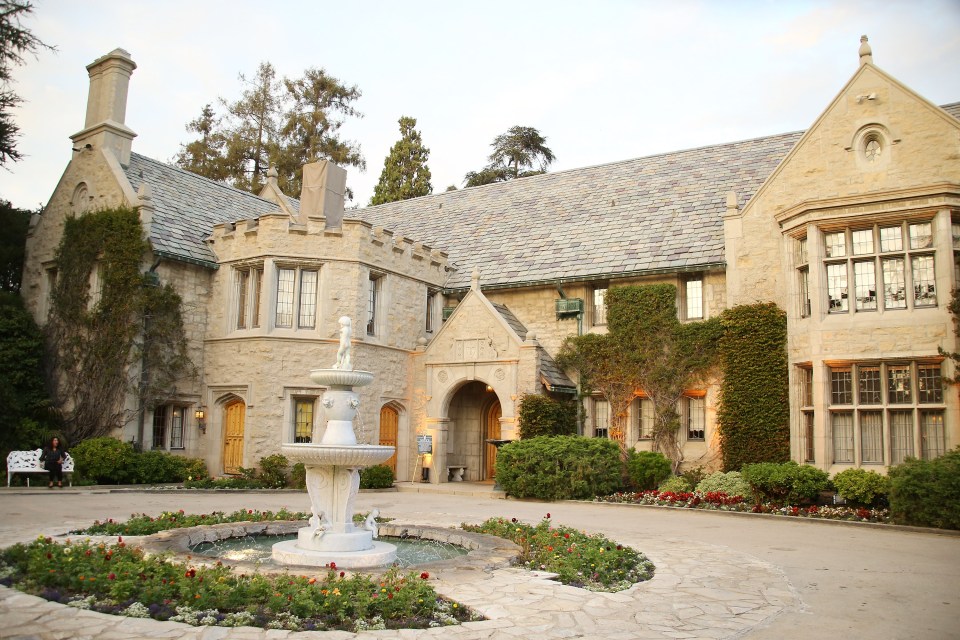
<point>49,556</point>
<point>312,581</point>
<point>548,515</point>
<point>112,576</point>
<point>342,573</point>
<point>389,596</point>
<point>333,565</point>
<point>424,575</point>
<point>567,536</point>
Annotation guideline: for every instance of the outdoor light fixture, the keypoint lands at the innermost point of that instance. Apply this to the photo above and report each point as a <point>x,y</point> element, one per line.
<point>201,419</point>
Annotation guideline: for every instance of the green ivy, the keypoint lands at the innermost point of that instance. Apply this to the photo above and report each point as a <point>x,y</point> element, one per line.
<point>754,412</point>
<point>94,344</point>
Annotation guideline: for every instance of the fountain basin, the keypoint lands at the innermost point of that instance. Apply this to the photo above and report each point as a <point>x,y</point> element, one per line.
<point>341,377</point>
<point>337,455</point>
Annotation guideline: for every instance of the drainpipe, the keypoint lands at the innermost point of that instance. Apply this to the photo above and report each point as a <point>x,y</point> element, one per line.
<point>152,280</point>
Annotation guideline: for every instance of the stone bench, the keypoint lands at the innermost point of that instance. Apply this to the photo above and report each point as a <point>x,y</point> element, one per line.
<point>455,472</point>
<point>29,462</point>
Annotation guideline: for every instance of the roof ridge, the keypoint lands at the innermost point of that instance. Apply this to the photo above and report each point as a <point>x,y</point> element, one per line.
<point>596,166</point>
<point>197,176</point>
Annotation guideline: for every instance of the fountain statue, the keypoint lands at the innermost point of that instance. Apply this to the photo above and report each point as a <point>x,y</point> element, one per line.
<point>333,477</point>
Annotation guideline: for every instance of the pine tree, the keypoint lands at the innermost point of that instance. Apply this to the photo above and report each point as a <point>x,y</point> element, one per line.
<point>310,126</point>
<point>253,131</point>
<point>405,172</point>
<point>205,155</point>
<point>518,153</point>
<point>15,42</point>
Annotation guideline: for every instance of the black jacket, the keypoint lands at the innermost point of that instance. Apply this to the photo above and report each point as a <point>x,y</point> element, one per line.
<point>52,459</point>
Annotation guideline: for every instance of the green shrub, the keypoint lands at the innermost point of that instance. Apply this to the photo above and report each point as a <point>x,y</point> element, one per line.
<point>862,487</point>
<point>152,467</point>
<point>298,476</point>
<point>273,471</point>
<point>378,477</point>
<point>647,469</point>
<point>694,476</point>
<point>543,416</point>
<point>785,482</point>
<point>730,483</point>
<point>193,468</point>
<point>105,460</point>
<point>926,493</point>
<point>676,484</point>
<point>559,467</point>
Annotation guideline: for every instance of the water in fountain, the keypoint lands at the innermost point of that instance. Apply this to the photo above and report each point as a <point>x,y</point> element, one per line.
<point>411,552</point>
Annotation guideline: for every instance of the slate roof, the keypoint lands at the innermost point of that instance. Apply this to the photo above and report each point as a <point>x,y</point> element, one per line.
<point>551,376</point>
<point>656,213</point>
<point>953,109</point>
<point>187,206</point>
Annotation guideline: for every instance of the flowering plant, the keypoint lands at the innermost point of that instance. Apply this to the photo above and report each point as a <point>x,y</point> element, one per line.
<point>589,561</point>
<point>719,501</point>
<point>121,579</point>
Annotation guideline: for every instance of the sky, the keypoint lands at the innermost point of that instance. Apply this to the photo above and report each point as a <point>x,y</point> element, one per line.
<point>604,80</point>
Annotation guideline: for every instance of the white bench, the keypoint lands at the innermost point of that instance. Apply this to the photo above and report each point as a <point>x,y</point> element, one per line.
<point>29,462</point>
<point>455,472</point>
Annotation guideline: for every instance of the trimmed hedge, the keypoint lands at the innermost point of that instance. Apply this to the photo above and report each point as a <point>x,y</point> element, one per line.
<point>559,468</point>
<point>543,416</point>
<point>754,412</point>
<point>647,469</point>
<point>378,477</point>
<point>862,487</point>
<point>926,493</point>
<point>107,460</point>
<point>785,483</point>
<point>730,483</point>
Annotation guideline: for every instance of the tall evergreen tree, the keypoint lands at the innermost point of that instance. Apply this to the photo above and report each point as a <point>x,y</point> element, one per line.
<point>253,129</point>
<point>15,223</point>
<point>205,155</point>
<point>318,103</point>
<point>286,124</point>
<point>405,172</point>
<point>520,152</point>
<point>15,42</point>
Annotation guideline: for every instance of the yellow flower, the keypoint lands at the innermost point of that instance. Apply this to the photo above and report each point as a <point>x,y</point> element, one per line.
<point>336,591</point>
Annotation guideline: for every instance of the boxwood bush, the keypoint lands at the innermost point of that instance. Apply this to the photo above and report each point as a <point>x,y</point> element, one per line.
<point>785,482</point>
<point>926,493</point>
<point>864,487</point>
<point>110,461</point>
<point>647,469</point>
<point>378,477</point>
<point>730,483</point>
<point>676,484</point>
<point>105,460</point>
<point>559,468</point>
<point>544,416</point>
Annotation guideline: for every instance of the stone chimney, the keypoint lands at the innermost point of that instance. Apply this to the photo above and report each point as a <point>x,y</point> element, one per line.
<point>324,184</point>
<point>107,107</point>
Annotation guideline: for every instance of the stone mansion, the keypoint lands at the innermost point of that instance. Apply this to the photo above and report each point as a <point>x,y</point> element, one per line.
<point>460,300</point>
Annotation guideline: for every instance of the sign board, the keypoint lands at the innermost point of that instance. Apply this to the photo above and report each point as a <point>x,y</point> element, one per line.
<point>424,444</point>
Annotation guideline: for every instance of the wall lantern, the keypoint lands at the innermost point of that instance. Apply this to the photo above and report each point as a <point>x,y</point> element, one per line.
<point>201,419</point>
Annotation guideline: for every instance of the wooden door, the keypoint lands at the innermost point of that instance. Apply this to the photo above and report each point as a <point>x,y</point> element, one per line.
<point>389,424</point>
<point>491,432</point>
<point>233,437</point>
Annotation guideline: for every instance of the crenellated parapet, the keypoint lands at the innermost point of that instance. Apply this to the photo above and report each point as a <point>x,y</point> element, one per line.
<point>280,235</point>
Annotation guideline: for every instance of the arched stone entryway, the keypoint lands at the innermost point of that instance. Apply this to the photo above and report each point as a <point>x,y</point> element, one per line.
<point>468,412</point>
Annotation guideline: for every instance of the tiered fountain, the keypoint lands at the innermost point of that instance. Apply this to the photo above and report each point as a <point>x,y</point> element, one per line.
<point>333,477</point>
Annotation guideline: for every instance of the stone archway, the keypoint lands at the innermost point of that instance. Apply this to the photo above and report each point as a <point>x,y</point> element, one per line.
<point>467,414</point>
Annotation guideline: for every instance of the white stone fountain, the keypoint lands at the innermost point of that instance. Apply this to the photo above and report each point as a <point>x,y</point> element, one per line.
<point>333,477</point>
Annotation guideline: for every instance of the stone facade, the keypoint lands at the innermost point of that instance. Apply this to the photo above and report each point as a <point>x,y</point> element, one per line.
<point>264,280</point>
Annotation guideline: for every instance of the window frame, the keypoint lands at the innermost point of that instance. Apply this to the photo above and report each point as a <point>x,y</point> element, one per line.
<point>374,303</point>
<point>598,312</point>
<point>294,298</point>
<point>686,300</point>
<point>892,269</point>
<point>298,402</point>
<point>598,417</point>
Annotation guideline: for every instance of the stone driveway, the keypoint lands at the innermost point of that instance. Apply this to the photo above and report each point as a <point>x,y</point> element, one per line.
<point>718,576</point>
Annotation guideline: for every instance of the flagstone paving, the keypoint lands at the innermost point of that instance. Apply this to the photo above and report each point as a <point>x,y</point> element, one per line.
<point>700,590</point>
